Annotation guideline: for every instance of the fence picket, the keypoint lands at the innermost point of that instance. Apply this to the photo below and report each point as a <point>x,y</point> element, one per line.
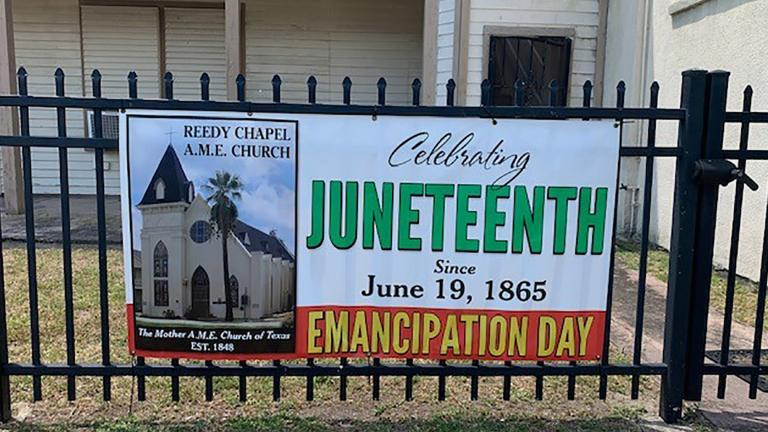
<point>312,89</point>
<point>66,241</point>
<point>644,241</point>
<point>205,87</point>
<point>101,226</point>
<point>26,159</point>
<point>276,83</point>
<point>346,86</point>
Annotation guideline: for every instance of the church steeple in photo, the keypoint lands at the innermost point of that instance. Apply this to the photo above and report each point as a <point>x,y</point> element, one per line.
<point>169,184</point>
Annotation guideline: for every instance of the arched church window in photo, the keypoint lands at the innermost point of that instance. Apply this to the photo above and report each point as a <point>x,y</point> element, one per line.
<point>200,231</point>
<point>161,292</point>
<point>160,285</point>
<point>234,288</point>
<point>159,189</point>
<point>161,260</point>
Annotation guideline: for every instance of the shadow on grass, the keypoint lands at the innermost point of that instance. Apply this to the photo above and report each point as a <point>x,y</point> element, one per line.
<point>280,422</point>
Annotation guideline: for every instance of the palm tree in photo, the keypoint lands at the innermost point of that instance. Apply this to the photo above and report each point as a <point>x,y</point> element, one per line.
<point>223,190</point>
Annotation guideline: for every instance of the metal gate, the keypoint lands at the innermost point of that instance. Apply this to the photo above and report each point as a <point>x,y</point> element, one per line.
<point>700,169</point>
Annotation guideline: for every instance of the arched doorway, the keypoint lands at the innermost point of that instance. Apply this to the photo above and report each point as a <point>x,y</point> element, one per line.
<point>201,293</point>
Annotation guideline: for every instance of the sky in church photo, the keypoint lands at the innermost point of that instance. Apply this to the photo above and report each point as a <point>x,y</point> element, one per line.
<point>268,184</point>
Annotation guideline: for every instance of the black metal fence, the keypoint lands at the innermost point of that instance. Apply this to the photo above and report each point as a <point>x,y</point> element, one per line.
<point>700,170</point>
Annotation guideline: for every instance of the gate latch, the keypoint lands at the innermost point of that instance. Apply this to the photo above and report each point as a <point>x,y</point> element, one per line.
<point>722,172</point>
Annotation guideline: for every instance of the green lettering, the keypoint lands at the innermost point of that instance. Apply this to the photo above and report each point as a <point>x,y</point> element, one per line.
<point>591,219</point>
<point>346,240</point>
<point>528,219</point>
<point>438,192</point>
<point>408,216</point>
<point>561,195</point>
<point>377,214</point>
<point>315,238</point>
<point>494,218</point>
<point>466,217</point>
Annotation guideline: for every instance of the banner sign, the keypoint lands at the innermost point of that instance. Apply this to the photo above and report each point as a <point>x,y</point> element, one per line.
<point>278,236</point>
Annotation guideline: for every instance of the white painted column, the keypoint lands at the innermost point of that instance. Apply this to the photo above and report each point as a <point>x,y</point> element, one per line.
<point>11,156</point>
<point>429,53</point>
<point>233,44</point>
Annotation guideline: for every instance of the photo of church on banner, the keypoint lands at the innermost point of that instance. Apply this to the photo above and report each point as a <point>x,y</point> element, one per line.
<point>384,236</point>
<point>213,267</point>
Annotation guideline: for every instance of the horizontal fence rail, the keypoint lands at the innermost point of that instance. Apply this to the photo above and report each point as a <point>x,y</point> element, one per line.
<point>690,118</point>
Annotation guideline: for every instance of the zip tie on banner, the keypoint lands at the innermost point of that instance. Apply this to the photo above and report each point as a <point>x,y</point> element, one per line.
<point>375,114</point>
<point>488,113</point>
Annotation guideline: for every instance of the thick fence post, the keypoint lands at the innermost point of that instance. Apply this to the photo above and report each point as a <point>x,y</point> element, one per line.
<point>712,144</point>
<point>682,245</point>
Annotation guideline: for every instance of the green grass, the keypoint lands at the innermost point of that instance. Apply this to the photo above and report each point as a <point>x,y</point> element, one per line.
<point>293,412</point>
<point>745,291</point>
<point>436,423</point>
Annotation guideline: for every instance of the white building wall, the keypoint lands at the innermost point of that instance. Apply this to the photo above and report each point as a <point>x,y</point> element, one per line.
<point>164,223</point>
<point>625,46</point>
<point>255,306</point>
<point>120,39</point>
<point>47,36</point>
<point>284,287</point>
<point>445,34</point>
<point>712,35</point>
<point>274,284</point>
<point>194,42</point>
<point>579,15</point>
<point>266,280</point>
<point>329,38</point>
<point>209,256</point>
<point>115,40</point>
<point>364,39</point>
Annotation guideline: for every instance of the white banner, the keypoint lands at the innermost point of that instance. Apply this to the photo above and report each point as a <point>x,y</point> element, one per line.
<point>415,155</point>
<point>296,235</point>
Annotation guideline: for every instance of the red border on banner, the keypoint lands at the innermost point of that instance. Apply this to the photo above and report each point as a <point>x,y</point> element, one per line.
<point>490,333</point>
<point>565,326</point>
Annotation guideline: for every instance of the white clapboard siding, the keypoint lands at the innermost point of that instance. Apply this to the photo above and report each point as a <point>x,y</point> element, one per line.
<point>194,43</point>
<point>120,39</point>
<point>331,39</point>
<point>445,34</point>
<point>47,36</point>
<point>579,15</point>
<point>117,40</point>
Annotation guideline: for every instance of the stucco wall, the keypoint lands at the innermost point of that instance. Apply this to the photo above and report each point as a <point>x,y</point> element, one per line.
<point>624,50</point>
<point>717,34</point>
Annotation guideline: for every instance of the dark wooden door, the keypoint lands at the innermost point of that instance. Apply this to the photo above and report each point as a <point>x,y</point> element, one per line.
<point>536,62</point>
<point>201,294</point>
